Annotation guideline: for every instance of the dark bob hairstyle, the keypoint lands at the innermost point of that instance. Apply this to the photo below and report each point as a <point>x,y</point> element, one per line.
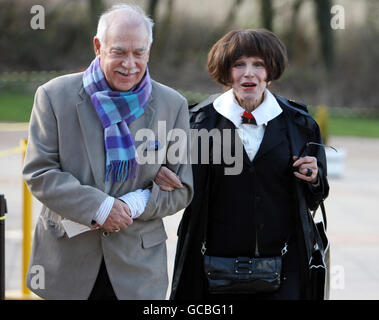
<point>251,43</point>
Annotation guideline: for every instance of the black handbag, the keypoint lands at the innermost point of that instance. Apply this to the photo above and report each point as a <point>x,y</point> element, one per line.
<point>242,275</point>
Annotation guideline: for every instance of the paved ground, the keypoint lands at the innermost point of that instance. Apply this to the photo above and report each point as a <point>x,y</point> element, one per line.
<point>352,208</point>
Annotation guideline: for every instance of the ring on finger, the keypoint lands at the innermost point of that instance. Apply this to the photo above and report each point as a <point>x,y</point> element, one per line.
<point>309,172</point>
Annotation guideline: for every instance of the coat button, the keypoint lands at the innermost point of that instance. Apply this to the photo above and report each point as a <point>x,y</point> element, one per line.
<point>252,170</point>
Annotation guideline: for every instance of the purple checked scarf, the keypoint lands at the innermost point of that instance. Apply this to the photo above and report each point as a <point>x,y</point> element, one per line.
<point>116,109</point>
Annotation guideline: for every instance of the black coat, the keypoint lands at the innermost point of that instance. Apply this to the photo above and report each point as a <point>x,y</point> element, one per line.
<point>188,279</point>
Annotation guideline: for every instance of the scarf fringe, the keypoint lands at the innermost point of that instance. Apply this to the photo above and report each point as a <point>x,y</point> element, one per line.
<point>121,170</point>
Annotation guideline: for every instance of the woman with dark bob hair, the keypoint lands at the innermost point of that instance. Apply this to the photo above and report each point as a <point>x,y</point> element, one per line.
<point>251,235</point>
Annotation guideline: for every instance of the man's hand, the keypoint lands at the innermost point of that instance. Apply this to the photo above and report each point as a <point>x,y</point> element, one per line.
<point>119,217</point>
<point>167,180</point>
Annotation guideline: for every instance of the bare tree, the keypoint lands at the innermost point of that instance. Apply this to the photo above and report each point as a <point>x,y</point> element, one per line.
<point>165,24</point>
<point>232,13</point>
<point>222,28</point>
<point>323,16</point>
<point>293,25</point>
<point>267,14</point>
<point>152,9</point>
<point>96,7</point>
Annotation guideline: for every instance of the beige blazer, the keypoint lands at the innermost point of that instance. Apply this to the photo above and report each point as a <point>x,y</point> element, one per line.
<point>64,169</point>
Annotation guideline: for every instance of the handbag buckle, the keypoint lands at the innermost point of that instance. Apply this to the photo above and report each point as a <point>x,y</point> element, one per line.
<point>243,265</point>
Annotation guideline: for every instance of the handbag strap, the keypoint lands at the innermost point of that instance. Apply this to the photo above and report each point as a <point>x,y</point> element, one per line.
<point>323,211</point>
<point>303,149</point>
<point>205,207</point>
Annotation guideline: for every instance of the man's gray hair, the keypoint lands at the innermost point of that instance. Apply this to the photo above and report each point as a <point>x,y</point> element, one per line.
<point>132,10</point>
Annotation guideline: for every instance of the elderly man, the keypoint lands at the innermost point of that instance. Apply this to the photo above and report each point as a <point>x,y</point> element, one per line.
<point>100,233</point>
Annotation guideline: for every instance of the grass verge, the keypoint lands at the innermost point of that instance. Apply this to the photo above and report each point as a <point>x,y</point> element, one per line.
<point>356,127</point>
<point>15,107</point>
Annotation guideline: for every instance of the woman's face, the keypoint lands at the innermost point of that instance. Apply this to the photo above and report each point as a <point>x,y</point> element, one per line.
<point>248,75</point>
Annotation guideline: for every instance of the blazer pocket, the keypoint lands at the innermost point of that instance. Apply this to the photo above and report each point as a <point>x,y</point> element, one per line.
<point>153,238</point>
<point>50,221</point>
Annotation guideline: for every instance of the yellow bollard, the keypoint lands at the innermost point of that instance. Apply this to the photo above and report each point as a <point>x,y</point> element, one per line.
<point>27,226</point>
<point>322,119</point>
<point>25,293</point>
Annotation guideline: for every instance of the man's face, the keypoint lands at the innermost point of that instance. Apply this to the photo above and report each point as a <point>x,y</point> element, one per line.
<point>124,54</point>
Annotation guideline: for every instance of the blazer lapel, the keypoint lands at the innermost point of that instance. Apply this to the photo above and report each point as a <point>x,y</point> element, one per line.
<point>93,134</point>
<point>275,133</point>
<point>147,118</point>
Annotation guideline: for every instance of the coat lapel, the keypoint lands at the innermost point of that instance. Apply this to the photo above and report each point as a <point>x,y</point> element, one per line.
<point>93,134</point>
<point>296,123</point>
<point>275,133</point>
<point>225,123</point>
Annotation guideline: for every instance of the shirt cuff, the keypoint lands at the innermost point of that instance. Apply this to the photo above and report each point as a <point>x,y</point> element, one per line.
<point>137,201</point>
<point>317,183</point>
<point>104,210</point>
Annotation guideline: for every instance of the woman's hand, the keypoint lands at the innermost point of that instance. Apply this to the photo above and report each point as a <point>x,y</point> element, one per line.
<point>167,180</point>
<point>307,168</point>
